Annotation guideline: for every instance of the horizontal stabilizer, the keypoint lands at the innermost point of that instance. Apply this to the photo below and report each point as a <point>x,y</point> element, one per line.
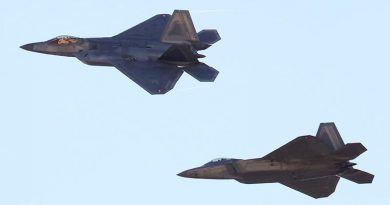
<point>349,151</point>
<point>209,36</point>
<point>357,176</point>
<point>316,188</point>
<point>202,72</point>
<point>329,134</point>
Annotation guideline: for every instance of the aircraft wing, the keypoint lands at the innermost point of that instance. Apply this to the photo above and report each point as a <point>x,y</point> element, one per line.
<point>154,77</point>
<point>150,29</point>
<point>304,147</point>
<point>317,188</point>
<point>327,141</point>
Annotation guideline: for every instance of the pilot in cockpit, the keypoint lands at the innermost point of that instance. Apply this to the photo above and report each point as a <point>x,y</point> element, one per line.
<point>64,40</point>
<point>219,161</point>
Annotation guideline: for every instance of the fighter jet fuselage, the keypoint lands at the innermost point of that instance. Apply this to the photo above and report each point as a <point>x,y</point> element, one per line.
<point>309,164</point>
<point>268,171</point>
<point>153,54</point>
<point>102,51</point>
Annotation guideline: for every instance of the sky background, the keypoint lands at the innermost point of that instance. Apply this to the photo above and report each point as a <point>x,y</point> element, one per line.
<point>77,134</point>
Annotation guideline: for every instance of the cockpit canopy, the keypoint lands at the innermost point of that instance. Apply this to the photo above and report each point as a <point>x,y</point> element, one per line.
<point>220,161</point>
<point>64,40</point>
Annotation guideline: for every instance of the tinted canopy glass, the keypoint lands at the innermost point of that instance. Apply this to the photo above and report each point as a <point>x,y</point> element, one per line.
<point>220,161</point>
<point>64,40</point>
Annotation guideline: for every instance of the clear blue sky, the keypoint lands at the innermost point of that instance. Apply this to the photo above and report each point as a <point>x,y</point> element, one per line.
<point>77,134</point>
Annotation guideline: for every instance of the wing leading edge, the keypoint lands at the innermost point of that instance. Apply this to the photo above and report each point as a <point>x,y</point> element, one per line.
<point>304,147</point>
<point>326,141</point>
<point>177,28</point>
<point>150,29</point>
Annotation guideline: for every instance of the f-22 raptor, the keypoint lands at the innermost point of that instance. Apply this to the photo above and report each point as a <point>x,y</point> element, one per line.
<point>153,54</point>
<point>308,164</point>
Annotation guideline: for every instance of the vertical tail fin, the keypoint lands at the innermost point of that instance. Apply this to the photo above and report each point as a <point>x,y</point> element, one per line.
<point>329,134</point>
<point>357,176</point>
<point>180,28</point>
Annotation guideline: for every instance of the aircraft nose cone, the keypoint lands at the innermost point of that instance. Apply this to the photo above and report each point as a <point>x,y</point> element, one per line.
<point>182,174</point>
<point>189,174</point>
<point>28,47</point>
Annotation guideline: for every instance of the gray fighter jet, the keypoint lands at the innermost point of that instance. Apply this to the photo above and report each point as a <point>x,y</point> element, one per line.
<point>308,164</point>
<point>153,54</point>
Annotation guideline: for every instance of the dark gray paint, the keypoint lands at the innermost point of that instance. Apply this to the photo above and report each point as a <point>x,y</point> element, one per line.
<point>308,164</point>
<point>154,53</point>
